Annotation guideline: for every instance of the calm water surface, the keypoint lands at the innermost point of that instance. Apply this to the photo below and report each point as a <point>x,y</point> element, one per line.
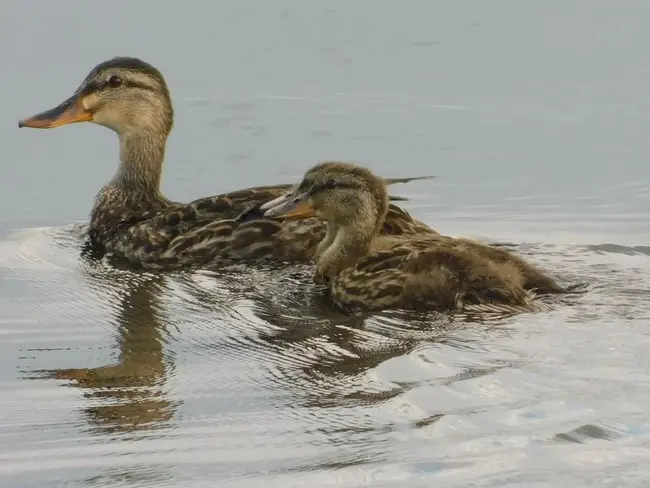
<point>534,115</point>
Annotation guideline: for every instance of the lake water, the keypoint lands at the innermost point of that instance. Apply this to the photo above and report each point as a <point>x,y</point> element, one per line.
<point>535,116</point>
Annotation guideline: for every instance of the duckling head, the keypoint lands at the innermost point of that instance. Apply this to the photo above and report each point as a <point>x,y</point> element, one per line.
<point>338,192</point>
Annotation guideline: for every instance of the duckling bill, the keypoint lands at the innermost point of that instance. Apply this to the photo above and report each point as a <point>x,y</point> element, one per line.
<point>368,271</point>
<point>134,222</point>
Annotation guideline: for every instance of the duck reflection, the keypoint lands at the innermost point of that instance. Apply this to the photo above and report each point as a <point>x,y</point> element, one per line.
<point>133,390</point>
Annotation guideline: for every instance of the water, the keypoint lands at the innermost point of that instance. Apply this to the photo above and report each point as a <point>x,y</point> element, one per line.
<point>533,115</point>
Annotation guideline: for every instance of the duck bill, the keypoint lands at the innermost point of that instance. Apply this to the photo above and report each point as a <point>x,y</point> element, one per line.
<point>69,112</point>
<point>296,208</point>
<point>281,200</point>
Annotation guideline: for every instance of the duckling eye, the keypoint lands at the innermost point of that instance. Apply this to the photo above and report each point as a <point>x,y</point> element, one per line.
<point>331,184</point>
<point>114,81</point>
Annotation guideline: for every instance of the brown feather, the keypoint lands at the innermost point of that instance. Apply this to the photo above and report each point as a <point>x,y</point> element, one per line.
<point>421,271</point>
<point>206,233</point>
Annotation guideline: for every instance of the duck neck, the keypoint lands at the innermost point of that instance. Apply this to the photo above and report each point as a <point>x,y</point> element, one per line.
<point>330,234</point>
<point>351,243</point>
<point>141,160</point>
<point>352,240</point>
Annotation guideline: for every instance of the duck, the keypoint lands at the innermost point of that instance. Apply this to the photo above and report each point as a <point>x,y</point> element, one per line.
<point>133,222</point>
<point>365,270</point>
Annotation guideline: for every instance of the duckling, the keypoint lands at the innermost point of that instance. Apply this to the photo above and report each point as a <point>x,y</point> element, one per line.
<point>131,219</point>
<point>365,270</point>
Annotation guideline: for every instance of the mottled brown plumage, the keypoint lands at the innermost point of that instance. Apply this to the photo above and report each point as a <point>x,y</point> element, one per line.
<point>134,222</point>
<point>366,270</point>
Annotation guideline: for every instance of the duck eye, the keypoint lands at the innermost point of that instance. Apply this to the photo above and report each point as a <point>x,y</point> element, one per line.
<point>114,81</point>
<point>331,184</point>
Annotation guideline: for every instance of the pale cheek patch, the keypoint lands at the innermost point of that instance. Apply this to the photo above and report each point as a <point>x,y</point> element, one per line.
<point>145,117</point>
<point>89,101</point>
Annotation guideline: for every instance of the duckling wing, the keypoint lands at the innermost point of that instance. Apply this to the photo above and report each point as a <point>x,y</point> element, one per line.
<point>427,273</point>
<point>534,278</point>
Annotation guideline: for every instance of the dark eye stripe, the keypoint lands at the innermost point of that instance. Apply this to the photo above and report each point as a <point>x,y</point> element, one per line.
<point>125,83</point>
<point>133,84</point>
<point>333,185</point>
<point>341,184</point>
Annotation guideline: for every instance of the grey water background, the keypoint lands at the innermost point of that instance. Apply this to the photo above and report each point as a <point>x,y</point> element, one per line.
<point>534,116</point>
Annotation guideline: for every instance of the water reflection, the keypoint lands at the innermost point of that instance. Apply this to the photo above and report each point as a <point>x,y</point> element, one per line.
<point>341,383</point>
<point>305,348</point>
<point>318,356</point>
<point>132,392</point>
<point>270,376</point>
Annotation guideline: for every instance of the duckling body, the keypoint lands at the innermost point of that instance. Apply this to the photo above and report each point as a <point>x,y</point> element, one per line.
<point>131,219</point>
<point>368,271</point>
<point>425,273</point>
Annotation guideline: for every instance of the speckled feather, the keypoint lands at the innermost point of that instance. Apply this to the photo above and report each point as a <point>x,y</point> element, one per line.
<point>440,273</point>
<point>155,233</point>
<point>367,270</point>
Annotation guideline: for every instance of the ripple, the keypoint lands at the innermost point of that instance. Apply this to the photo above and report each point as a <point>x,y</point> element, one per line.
<point>144,379</point>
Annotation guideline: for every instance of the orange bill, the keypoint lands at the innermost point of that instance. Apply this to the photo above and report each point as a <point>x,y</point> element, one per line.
<point>69,112</point>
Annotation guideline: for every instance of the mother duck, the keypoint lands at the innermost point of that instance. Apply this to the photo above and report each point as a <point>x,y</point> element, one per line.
<point>133,221</point>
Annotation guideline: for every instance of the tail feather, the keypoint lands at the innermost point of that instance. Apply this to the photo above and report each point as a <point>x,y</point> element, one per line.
<point>505,308</point>
<point>392,181</point>
<point>531,303</point>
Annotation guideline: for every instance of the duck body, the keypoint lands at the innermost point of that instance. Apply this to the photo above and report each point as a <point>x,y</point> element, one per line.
<point>156,233</point>
<point>365,270</point>
<point>211,232</point>
<point>133,222</point>
<point>436,273</point>
<point>164,235</point>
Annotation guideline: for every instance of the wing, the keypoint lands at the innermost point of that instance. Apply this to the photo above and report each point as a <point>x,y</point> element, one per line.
<point>231,205</point>
<point>427,272</point>
<point>399,222</point>
<point>243,205</point>
<point>219,230</point>
<point>216,243</point>
<point>141,231</point>
<point>534,278</point>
